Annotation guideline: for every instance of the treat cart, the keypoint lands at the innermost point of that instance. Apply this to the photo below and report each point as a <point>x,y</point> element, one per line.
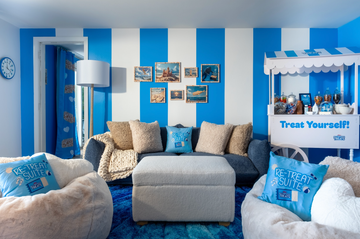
<point>314,131</point>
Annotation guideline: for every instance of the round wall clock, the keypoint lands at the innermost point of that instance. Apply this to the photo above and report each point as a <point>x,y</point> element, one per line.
<point>7,68</point>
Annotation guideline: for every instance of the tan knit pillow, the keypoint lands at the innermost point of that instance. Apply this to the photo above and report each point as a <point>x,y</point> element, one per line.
<point>121,134</point>
<point>146,137</point>
<point>240,139</point>
<point>213,138</point>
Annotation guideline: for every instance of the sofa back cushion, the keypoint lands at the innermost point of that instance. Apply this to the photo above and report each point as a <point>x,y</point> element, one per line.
<point>146,137</point>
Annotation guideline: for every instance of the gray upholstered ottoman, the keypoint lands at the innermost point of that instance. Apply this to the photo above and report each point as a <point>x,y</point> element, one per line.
<point>183,188</point>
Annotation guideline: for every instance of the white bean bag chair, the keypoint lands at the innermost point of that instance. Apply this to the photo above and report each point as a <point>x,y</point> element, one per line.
<point>82,208</point>
<point>265,220</point>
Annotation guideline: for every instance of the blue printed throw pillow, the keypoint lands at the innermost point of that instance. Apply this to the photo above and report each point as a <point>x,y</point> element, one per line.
<point>292,184</point>
<point>178,140</point>
<point>27,177</point>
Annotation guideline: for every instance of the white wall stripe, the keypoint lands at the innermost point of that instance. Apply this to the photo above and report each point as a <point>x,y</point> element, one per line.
<point>238,75</point>
<point>69,32</point>
<point>182,48</point>
<point>295,39</point>
<point>125,92</point>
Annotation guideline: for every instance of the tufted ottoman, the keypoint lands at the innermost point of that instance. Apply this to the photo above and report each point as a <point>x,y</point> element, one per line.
<point>183,188</point>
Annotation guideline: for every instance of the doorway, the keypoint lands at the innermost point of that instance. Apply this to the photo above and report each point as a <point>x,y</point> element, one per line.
<point>40,78</point>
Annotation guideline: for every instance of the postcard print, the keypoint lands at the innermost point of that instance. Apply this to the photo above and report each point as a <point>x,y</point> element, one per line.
<point>191,72</point>
<point>196,94</point>
<point>176,95</point>
<point>167,72</point>
<point>142,73</point>
<point>157,95</point>
<point>210,73</point>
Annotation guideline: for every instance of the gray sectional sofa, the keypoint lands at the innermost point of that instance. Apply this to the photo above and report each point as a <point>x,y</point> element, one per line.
<point>247,169</point>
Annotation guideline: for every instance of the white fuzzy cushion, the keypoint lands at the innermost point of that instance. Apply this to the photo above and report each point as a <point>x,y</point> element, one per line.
<point>67,170</point>
<point>335,205</point>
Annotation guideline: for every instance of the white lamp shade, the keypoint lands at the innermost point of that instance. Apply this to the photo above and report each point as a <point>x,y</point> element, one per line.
<point>93,72</point>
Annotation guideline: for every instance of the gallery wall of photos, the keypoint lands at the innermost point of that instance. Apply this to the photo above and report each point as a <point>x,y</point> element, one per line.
<point>170,72</point>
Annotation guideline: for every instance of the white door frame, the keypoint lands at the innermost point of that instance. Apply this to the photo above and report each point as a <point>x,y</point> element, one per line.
<point>39,86</point>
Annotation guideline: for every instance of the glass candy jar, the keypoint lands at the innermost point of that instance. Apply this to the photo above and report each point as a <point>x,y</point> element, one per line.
<point>327,95</point>
<point>318,99</point>
<point>291,99</point>
<point>336,96</point>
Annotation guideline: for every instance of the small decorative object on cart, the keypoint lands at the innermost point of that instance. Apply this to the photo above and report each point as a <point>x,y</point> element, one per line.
<point>336,96</point>
<point>299,108</point>
<point>315,109</point>
<point>326,108</point>
<point>318,99</point>
<point>291,98</point>
<point>283,98</point>
<point>306,109</point>
<point>279,108</point>
<point>327,95</point>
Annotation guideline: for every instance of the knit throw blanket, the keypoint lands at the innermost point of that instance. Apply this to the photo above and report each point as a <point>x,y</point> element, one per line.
<point>114,163</point>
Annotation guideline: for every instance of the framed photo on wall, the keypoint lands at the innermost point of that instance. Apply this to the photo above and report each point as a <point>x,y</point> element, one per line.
<point>157,95</point>
<point>305,98</point>
<point>176,95</point>
<point>210,73</point>
<point>190,72</point>
<point>196,94</point>
<point>167,72</point>
<point>143,73</point>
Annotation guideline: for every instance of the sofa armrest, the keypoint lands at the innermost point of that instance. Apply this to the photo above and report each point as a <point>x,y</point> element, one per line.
<point>259,154</point>
<point>93,152</point>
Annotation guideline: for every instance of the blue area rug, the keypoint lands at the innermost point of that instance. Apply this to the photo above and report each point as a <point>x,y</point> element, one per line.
<point>123,225</point>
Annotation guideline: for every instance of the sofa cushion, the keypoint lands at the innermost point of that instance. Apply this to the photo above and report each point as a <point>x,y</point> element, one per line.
<point>213,138</point>
<point>246,172</point>
<point>146,137</point>
<point>239,140</point>
<point>178,140</point>
<point>121,134</point>
<point>94,151</point>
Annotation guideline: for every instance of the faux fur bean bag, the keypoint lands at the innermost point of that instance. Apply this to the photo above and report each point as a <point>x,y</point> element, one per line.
<point>82,208</point>
<point>262,220</point>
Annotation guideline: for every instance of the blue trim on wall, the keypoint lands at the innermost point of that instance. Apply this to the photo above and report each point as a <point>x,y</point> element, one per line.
<point>51,125</point>
<point>27,85</point>
<point>265,39</point>
<point>210,49</point>
<point>322,38</point>
<point>99,41</point>
<point>153,48</point>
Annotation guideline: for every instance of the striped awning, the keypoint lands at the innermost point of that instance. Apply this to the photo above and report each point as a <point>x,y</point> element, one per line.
<point>311,60</point>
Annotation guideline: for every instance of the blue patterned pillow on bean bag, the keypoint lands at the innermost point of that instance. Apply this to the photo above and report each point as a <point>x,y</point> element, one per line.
<point>178,140</point>
<point>292,184</point>
<point>27,177</point>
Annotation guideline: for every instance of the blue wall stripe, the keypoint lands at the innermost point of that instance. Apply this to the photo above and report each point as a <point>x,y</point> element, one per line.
<point>354,49</point>
<point>99,41</point>
<point>51,126</point>
<point>27,85</point>
<point>322,38</point>
<point>210,49</point>
<point>265,39</point>
<point>153,48</point>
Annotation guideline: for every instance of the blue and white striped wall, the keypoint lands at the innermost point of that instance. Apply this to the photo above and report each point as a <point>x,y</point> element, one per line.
<point>240,97</point>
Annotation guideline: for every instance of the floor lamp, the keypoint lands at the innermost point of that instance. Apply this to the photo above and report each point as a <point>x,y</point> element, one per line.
<point>91,73</point>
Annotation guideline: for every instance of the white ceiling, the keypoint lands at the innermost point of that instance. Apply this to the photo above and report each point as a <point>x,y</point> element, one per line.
<point>179,13</point>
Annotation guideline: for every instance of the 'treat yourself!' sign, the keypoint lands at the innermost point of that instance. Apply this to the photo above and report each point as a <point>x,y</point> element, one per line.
<point>341,124</point>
